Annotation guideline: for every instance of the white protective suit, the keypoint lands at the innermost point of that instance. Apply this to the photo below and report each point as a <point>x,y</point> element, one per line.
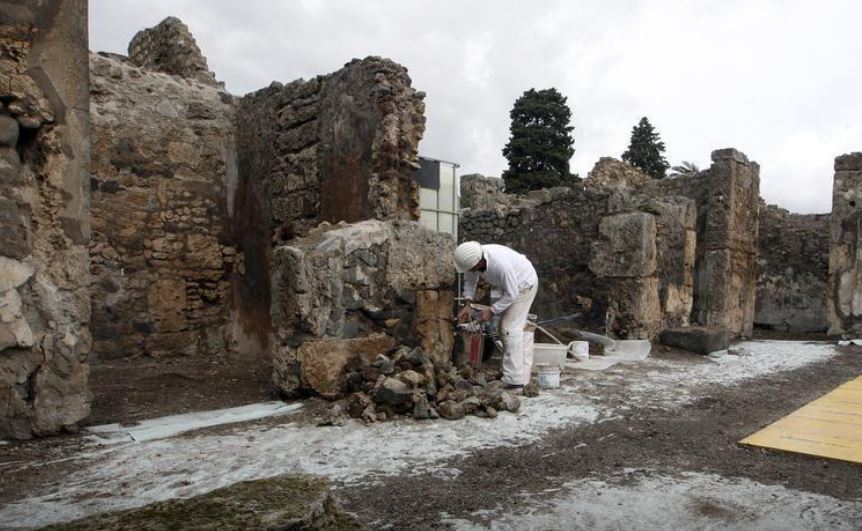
<point>514,275</point>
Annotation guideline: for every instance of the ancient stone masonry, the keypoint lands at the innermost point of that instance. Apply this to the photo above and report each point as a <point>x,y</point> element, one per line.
<point>555,229</point>
<point>170,48</point>
<point>162,258</point>
<point>340,147</point>
<point>349,293</point>
<point>844,292</point>
<point>479,192</point>
<point>44,220</point>
<point>636,255</point>
<point>792,270</point>
<point>726,196</point>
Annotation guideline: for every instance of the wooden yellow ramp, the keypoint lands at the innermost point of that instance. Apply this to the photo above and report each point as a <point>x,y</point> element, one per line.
<point>830,426</point>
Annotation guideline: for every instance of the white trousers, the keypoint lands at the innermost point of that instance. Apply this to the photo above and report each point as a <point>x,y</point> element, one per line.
<point>516,362</point>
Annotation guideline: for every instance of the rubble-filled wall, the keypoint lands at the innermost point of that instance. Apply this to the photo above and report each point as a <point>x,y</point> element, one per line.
<point>336,147</point>
<point>844,291</point>
<point>555,229</point>
<point>726,195</point>
<point>170,48</point>
<point>44,221</point>
<point>162,258</point>
<point>479,192</point>
<point>792,270</point>
<point>351,292</point>
<point>705,237</point>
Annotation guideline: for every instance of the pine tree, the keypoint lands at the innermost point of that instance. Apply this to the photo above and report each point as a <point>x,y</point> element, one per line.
<point>541,143</point>
<point>646,150</point>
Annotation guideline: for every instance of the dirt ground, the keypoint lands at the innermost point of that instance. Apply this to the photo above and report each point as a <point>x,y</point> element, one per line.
<point>698,437</point>
<point>702,437</point>
<point>127,391</point>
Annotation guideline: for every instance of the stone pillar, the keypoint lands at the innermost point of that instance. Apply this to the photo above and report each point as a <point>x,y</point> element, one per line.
<point>844,291</point>
<point>624,255</point>
<point>726,268</point>
<point>44,220</point>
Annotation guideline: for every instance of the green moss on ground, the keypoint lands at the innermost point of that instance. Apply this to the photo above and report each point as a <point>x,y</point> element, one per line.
<point>281,502</point>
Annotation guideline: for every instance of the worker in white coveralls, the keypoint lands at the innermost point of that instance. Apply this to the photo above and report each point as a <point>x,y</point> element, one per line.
<point>510,272</point>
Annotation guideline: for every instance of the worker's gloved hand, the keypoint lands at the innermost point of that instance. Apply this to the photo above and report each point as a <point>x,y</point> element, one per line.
<point>486,316</point>
<point>464,314</point>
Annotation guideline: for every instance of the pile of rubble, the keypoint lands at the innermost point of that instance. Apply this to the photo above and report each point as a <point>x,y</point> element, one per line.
<point>409,383</point>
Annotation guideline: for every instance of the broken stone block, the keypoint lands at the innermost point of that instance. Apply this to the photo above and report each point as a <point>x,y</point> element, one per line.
<point>451,410</point>
<point>322,363</point>
<point>626,246</point>
<point>509,402</point>
<point>421,408</point>
<point>393,393</point>
<point>411,378</point>
<point>334,416</point>
<point>532,388</point>
<point>699,339</point>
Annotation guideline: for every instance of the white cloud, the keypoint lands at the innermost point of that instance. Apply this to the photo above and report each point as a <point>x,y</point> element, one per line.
<point>776,79</point>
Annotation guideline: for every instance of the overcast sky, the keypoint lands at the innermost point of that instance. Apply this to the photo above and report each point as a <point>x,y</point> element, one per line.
<point>778,79</point>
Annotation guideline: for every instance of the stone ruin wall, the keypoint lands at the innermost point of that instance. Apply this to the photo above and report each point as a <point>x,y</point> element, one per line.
<point>354,291</point>
<point>792,270</point>
<point>725,271</point>
<point>704,228</point>
<point>479,192</point>
<point>340,147</point>
<point>44,219</point>
<point>844,289</point>
<point>162,257</point>
<point>555,229</point>
<point>170,48</point>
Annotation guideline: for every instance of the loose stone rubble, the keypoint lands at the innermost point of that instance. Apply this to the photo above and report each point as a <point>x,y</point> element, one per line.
<point>407,382</point>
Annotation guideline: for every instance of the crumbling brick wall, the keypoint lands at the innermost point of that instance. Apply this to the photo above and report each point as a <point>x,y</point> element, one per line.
<point>44,221</point>
<point>162,259</point>
<point>170,48</point>
<point>844,292</point>
<point>792,270</point>
<point>340,147</point>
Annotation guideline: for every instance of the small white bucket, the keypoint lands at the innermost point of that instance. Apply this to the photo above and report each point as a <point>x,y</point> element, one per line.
<point>549,354</point>
<point>549,376</point>
<point>580,350</point>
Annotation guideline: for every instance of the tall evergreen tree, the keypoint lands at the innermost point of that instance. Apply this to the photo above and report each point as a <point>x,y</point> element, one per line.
<point>646,150</point>
<point>541,143</point>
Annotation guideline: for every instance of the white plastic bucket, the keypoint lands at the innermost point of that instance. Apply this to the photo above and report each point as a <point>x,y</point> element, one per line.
<point>549,354</point>
<point>580,350</point>
<point>549,376</point>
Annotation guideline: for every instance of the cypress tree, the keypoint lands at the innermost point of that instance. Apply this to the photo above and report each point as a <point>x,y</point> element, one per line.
<point>646,150</point>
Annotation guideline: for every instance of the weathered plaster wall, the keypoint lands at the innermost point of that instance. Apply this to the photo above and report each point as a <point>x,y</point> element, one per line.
<point>44,221</point>
<point>340,147</point>
<point>844,293</point>
<point>793,267</point>
<point>162,257</point>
